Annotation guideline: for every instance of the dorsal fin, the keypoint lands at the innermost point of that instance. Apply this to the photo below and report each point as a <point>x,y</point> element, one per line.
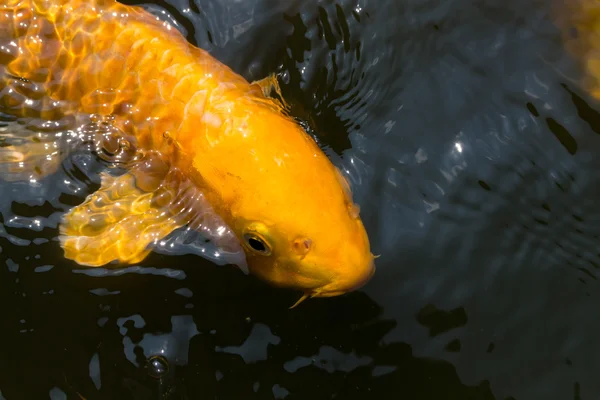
<point>267,86</point>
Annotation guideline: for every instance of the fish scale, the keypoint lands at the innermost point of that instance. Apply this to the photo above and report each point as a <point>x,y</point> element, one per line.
<point>201,147</point>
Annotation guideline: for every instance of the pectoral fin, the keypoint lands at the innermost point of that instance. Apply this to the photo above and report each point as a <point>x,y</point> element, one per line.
<point>120,220</point>
<point>132,214</point>
<point>33,152</point>
<point>27,154</point>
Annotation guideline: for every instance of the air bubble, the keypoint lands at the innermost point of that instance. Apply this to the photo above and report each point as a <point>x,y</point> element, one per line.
<point>158,367</point>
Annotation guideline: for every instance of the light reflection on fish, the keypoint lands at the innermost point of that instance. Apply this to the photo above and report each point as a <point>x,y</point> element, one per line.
<point>202,147</point>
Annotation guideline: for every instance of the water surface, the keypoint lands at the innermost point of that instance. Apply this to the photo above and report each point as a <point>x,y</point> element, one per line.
<point>472,152</point>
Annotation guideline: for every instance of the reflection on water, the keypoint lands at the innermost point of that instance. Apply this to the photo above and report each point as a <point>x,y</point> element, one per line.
<point>472,152</point>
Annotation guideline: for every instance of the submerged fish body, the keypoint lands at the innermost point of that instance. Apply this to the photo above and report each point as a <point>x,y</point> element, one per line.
<point>202,147</point>
<point>579,22</point>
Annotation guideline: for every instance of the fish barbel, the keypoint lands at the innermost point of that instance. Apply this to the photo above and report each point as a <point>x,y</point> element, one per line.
<point>202,147</point>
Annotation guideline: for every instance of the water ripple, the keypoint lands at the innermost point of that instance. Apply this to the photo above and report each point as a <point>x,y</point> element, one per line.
<point>472,151</point>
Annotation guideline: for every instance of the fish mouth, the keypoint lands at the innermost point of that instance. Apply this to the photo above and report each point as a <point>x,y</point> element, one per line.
<point>331,290</point>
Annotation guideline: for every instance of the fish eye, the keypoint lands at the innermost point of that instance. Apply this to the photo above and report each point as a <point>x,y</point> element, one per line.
<point>257,244</point>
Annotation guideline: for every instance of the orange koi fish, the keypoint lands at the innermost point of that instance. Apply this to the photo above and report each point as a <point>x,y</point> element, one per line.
<point>579,22</point>
<point>202,147</point>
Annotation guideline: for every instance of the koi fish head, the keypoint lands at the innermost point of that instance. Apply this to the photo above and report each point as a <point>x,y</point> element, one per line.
<point>322,257</point>
<point>288,205</point>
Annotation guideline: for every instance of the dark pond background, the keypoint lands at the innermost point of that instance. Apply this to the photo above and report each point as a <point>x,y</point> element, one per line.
<point>473,156</point>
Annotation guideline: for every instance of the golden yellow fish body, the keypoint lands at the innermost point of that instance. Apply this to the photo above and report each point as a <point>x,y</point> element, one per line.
<point>203,147</point>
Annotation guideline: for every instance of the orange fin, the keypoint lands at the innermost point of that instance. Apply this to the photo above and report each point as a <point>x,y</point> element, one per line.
<point>132,214</point>
<point>28,154</point>
<point>270,84</point>
<point>121,219</point>
<point>31,149</point>
<point>220,248</point>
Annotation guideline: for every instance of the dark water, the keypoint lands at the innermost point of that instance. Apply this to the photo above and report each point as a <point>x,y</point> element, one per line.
<point>473,156</point>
